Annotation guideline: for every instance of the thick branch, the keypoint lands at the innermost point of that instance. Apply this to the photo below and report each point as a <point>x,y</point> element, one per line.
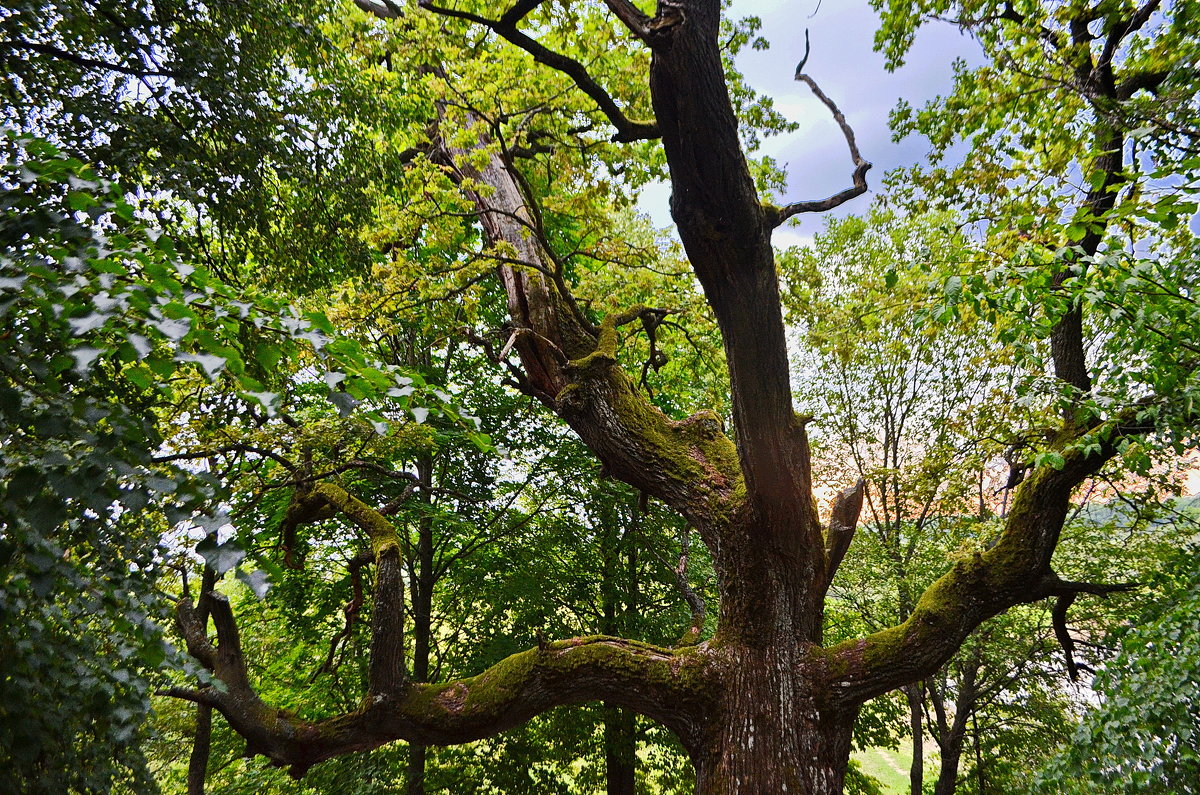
<point>668,686</point>
<point>631,17</point>
<point>384,9</point>
<point>726,233</point>
<point>1122,30</point>
<point>1146,80</point>
<point>690,464</point>
<point>1015,570</point>
<point>519,10</point>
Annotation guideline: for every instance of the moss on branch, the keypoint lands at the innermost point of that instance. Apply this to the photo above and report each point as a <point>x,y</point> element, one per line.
<point>675,687</point>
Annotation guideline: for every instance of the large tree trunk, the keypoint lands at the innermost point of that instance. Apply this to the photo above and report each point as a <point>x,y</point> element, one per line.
<point>761,707</point>
<point>772,735</point>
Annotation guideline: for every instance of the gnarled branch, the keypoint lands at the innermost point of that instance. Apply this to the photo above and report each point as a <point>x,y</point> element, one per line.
<point>1067,592</point>
<point>861,166</point>
<point>1015,570</point>
<point>691,464</point>
<point>665,685</point>
<point>631,17</point>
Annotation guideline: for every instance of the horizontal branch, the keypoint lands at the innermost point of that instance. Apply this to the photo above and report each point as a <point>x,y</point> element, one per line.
<point>665,685</point>
<point>225,450</point>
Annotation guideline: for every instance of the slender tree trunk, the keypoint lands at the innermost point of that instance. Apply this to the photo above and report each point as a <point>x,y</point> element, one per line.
<point>616,602</point>
<point>620,744</point>
<point>952,733</point>
<point>422,617</point>
<point>201,748</point>
<point>915,694</point>
<point>952,748</point>
<point>978,756</point>
<point>202,742</point>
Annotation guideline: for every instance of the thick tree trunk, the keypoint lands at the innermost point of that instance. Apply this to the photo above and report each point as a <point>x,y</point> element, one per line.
<point>771,734</point>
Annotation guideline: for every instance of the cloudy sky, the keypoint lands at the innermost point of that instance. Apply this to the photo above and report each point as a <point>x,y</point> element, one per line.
<point>846,67</point>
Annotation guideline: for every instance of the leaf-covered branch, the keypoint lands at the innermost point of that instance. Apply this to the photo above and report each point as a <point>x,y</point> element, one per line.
<point>506,28</point>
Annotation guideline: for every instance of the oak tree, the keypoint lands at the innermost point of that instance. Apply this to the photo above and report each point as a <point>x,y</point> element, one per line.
<point>762,705</point>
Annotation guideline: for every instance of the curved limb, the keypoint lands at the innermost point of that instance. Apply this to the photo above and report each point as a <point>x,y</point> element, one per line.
<point>1015,570</point>
<point>668,686</point>
<point>506,28</point>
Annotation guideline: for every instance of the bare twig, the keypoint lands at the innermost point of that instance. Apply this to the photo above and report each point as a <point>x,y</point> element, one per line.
<point>1067,593</point>
<point>861,166</point>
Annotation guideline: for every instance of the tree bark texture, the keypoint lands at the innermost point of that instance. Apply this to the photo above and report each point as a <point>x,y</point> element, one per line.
<point>762,706</point>
<point>201,748</point>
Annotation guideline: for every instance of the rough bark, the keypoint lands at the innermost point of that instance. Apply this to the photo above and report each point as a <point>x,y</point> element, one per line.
<point>775,732</point>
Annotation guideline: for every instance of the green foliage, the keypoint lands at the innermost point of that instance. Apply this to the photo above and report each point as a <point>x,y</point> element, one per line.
<point>304,320</point>
<point>1144,735</point>
<point>1079,172</point>
<point>78,561</point>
